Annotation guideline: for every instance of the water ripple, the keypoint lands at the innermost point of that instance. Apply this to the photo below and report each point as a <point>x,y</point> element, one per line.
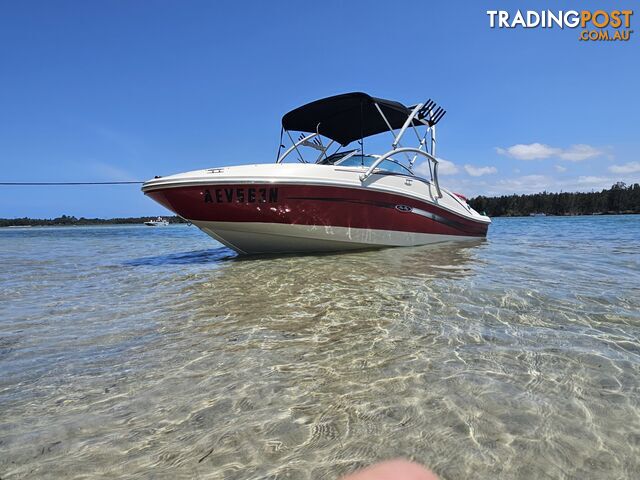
<point>515,357</point>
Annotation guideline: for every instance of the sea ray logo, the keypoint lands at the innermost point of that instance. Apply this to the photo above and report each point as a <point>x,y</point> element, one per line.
<point>404,208</point>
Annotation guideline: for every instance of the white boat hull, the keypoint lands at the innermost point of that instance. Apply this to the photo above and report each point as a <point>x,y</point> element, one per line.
<point>255,237</point>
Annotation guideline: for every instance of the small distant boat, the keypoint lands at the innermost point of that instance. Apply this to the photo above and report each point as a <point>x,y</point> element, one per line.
<point>537,214</point>
<point>158,222</point>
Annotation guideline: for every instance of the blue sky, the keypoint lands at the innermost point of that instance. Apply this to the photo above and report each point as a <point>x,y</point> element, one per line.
<point>125,90</point>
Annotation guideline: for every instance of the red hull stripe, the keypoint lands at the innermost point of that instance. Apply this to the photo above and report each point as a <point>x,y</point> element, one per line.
<point>314,205</point>
<point>433,216</point>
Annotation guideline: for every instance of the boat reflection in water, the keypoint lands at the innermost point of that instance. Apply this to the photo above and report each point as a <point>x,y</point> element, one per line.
<point>293,285</point>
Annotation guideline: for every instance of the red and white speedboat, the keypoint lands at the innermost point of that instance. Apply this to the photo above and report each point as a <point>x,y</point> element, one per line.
<point>339,200</point>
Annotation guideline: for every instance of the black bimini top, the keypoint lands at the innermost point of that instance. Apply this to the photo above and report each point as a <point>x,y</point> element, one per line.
<point>347,117</point>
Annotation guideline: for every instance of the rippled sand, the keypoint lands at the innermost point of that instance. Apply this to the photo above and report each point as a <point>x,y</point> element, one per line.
<point>137,352</point>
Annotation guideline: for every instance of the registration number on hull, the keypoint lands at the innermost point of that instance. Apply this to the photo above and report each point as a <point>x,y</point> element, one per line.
<point>241,195</point>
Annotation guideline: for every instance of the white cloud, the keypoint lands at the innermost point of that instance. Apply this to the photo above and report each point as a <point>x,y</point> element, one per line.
<point>531,151</point>
<point>578,153</point>
<point>560,168</point>
<point>537,151</point>
<point>445,167</point>
<point>479,171</point>
<point>592,180</point>
<point>631,167</point>
<point>524,184</point>
<point>539,183</point>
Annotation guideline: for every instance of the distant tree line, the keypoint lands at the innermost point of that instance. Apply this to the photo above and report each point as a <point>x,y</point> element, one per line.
<point>620,198</point>
<point>67,220</point>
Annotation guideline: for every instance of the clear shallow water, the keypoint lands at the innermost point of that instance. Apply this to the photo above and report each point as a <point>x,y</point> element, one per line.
<point>155,353</point>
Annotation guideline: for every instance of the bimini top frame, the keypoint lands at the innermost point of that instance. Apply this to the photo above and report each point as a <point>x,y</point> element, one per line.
<point>355,116</point>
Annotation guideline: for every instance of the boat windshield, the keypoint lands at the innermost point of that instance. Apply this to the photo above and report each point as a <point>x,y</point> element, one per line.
<point>359,160</point>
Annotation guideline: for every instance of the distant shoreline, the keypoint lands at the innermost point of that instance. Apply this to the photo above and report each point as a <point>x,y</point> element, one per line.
<point>83,225</point>
<point>70,221</point>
